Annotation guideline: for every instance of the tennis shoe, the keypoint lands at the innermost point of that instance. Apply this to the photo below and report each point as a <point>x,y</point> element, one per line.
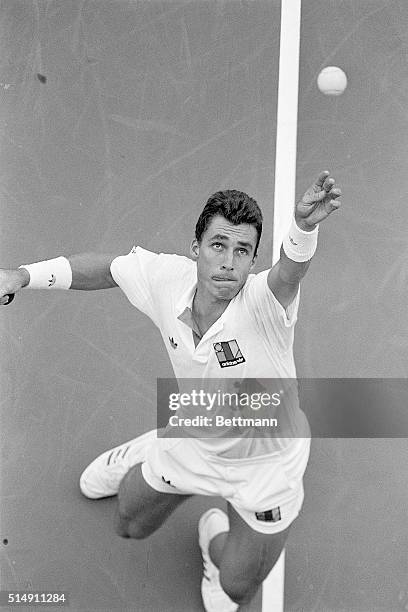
<point>102,477</point>
<point>215,599</point>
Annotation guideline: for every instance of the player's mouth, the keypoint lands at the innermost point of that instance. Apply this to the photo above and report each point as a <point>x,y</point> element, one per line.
<point>223,279</point>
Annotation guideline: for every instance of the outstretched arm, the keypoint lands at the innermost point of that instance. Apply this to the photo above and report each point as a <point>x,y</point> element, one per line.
<point>319,201</point>
<point>87,272</point>
<point>91,271</point>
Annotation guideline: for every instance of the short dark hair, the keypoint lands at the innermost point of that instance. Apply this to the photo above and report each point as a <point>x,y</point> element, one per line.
<point>235,206</point>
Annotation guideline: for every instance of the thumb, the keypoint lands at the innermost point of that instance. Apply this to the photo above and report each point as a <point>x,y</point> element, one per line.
<point>334,205</point>
<point>5,300</point>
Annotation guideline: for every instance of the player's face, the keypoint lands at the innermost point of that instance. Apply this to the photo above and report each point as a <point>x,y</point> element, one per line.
<point>225,257</point>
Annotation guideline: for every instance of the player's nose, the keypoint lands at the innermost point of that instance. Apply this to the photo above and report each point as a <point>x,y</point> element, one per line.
<point>228,263</point>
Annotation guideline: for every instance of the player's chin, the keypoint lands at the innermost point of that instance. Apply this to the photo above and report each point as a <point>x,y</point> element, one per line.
<point>228,292</point>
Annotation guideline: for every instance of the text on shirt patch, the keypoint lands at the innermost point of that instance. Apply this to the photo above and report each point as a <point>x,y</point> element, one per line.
<point>269,516</point>
<point>228,353</point>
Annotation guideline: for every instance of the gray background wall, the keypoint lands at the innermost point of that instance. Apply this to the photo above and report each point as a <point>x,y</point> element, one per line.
<point>147,109</point>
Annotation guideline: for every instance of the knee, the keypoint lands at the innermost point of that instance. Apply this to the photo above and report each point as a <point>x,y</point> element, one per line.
<point>128,523</point>
<point>130,530</point>
<point>239,588</point>
<point>126,527</point>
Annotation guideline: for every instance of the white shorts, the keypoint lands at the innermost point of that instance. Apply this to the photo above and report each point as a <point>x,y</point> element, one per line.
<point>266,491</point>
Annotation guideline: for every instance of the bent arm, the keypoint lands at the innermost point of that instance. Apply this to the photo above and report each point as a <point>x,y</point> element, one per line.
<point>319,201</point>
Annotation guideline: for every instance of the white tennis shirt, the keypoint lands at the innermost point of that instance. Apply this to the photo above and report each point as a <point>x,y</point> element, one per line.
<point>252,339</point>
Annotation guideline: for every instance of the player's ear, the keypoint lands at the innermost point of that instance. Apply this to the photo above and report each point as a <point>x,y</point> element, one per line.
<point>195,249</point>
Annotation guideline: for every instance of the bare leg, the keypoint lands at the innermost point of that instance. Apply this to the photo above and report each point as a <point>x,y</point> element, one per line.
<point>141,509</point>
<point>245,557</point>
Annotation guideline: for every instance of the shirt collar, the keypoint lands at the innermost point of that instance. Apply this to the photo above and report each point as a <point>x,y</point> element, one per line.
<point>184,306</point>
<point>184,309</point>
<point>186,299</point>
<point>187,318</point>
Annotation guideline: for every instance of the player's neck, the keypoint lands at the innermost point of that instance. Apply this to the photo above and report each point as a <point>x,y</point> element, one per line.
<point>208,307</point>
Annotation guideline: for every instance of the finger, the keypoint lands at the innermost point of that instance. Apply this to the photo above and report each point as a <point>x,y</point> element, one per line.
<point>328,184</point>
<point>335,193</point>
<point>335,205</point>
<point>325,195</point>
<point>321,178</point>
<point>315,198</point>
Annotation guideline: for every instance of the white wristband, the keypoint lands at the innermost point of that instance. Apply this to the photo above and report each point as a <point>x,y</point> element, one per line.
<point>50,274</point>
<point>300,245</point>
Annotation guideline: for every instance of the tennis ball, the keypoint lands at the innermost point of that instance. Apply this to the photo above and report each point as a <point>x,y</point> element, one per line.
<point>332,81</point>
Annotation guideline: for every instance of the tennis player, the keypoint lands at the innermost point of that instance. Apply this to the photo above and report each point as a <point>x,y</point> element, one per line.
<point>218,321</point>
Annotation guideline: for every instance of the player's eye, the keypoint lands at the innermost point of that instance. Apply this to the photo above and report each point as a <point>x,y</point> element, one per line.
<point>217,246</point>
<point>243,251</point>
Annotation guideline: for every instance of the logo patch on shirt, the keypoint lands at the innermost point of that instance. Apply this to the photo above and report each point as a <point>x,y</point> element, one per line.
<point>173,343</point>
<point>228,353</point>
<point>269,516</point>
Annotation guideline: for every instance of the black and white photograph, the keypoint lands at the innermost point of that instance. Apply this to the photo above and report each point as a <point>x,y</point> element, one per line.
<point>203,305</point>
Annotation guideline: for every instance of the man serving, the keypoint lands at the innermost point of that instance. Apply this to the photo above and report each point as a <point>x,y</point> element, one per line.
<point>218,321</point>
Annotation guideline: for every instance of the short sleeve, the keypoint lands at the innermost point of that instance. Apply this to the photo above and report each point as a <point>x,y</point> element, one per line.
<point>274,320</point>
<point>146,278</point>
<point>134,274</point>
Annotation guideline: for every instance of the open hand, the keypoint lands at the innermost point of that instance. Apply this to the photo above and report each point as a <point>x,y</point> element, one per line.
<point>319,201</point>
